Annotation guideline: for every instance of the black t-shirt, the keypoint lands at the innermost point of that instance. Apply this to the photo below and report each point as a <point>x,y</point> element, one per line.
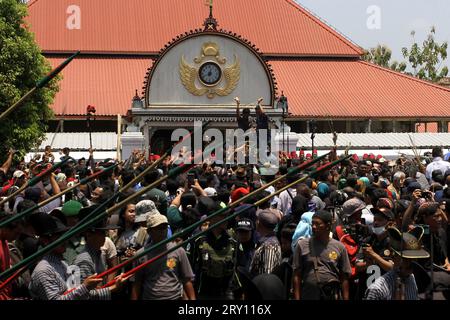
<point>373,271</point>
<point>262,121</point>
<point>243,123</point>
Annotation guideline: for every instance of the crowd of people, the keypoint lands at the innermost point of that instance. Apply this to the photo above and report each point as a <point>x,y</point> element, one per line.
<point>365,229</point>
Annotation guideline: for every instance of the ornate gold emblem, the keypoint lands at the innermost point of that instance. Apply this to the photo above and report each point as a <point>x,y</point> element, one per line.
<point>171,263</point>
<point>413,244</point>
<point>333,255</point>
<point>213,78</point>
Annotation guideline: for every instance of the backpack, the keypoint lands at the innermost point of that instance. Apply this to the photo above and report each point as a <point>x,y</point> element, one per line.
<point>350,245</point>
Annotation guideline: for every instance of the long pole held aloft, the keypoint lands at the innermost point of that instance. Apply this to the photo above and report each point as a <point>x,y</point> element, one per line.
<point>86,223</point>
<point>40,84</point>
<point>34,180</point>
<point>50,199</point>
<point>232,216</point>
<point>230,206</point>
<point>78,229</point>
<point>137,179</point>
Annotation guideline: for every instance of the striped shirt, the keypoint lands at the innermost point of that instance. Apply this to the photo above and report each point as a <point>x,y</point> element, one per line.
<point>90,262</point>
<point>267,256</point>
<point>384,288</point>
<point>49,282</point>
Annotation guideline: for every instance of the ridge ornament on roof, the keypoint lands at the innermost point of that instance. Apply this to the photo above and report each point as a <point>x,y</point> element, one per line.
<point>210,22</point>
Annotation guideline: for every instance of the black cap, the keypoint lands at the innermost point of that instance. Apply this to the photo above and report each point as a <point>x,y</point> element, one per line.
<point>47,225</point>
<point>244,224</point>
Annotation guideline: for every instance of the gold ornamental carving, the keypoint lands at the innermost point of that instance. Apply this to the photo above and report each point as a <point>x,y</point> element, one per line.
<point>210,76</point>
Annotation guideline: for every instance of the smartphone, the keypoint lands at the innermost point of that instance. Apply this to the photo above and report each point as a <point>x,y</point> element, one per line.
<point>191,177</point>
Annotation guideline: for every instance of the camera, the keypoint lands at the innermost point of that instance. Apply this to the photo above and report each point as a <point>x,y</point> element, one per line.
<point>359,232</point>
<point>426,194</point>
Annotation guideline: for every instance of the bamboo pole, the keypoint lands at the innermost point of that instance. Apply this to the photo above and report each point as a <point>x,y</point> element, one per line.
<point>34,180</point>
<point>232,216</point>
<point>230,206</point>
<point>50,199</point>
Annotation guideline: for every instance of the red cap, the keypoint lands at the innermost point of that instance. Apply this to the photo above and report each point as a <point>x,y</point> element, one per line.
<point>365,156</point>
<point>314,151</point>
<point>371,156</point>
<point>293,155</point>
<point>308,156</point>
<point>238,193</point>
<point>355,157</point>
<point>302,152</point>
<point>154,157</point>
<point>379,156</point>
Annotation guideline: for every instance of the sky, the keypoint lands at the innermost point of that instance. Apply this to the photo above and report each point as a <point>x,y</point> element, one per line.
<point>389,22</point>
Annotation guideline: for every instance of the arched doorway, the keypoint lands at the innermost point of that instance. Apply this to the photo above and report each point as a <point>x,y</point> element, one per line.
<point>160,142</point>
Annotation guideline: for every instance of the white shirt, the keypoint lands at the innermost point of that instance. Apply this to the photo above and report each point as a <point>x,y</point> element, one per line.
<point>437,164</point>
<point>286,200</point>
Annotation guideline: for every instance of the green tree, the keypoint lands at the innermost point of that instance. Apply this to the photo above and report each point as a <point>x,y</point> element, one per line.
<point>21,66</point>
<point>426,61</point>
<point>381,55</point>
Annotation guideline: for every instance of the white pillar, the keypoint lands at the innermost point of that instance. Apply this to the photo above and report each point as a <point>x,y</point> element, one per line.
<point>131,139</point>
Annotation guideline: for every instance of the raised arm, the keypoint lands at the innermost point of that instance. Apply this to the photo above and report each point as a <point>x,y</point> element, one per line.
<point>5,167</point>
<point>258,103</point>
<point>238,103</point>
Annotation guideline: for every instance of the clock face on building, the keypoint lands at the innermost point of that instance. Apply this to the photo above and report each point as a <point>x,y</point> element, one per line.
<point>210,73</point>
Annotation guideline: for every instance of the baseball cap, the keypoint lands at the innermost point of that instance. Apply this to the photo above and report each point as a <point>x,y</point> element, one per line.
<point>71,208</point>
<point>210,192</point>
<point>244,224</point>
<point>239,193</point>
<point>155,220</point>
<point>18,174</point>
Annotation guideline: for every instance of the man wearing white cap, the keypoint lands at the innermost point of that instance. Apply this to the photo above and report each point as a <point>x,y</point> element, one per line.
<point>168,277</point>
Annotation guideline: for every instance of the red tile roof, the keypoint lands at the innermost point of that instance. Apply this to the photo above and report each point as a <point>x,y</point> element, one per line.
<point>357,89</point>
<point>108,84</point>
<point>346,88</point>
<point>315,88</point>
<point>275,26</point>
